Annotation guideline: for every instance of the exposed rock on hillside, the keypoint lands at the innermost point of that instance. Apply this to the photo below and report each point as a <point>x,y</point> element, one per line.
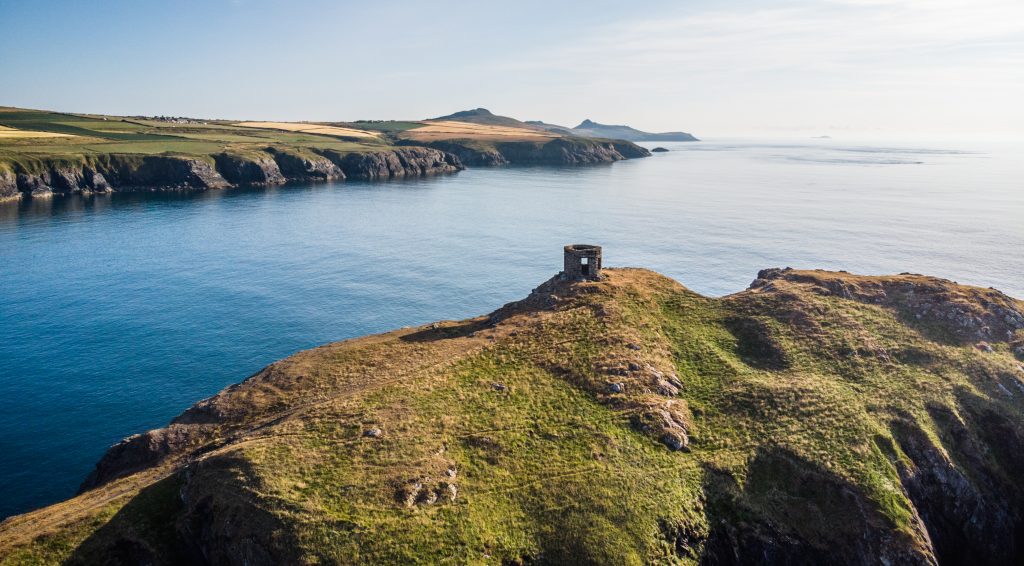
<point>402,162</point>
<point>811,419</point>
<point>118,172</point>
<point>557,151</point>
<point>160,153</point>
<point>249,170</point>
<point>8,185</point>
<point>107,173</point>
<point>937,306</point>
<point>306,165</point>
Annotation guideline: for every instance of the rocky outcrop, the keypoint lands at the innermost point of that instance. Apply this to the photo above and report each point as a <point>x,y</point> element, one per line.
<point>161,171</point>
<point>782,487</point>
<point>963,487</point>
<point>8,185</point>
<point>36,185</point>
<point>259,169</point>
<point>273,165</point>
<point>306,166</point>
<point>115,172</point>
<point>62,178</point>
<point>402,162</point>
<point>473,155</point>
<point>940,307</point>
<point>142,451</point>
<point>557,151</point>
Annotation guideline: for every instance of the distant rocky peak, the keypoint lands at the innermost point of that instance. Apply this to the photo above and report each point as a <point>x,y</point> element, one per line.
<point>474,112</point>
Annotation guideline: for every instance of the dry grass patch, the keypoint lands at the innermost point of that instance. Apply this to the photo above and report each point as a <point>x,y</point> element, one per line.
<point>310,129</point>
<point>444,130</point>
<point>14,133</point>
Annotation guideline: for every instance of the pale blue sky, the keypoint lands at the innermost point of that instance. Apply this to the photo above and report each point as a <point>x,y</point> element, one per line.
<point>713,68</point>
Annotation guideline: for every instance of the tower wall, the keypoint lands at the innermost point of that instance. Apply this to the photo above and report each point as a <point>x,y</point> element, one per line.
<point>573,264</point>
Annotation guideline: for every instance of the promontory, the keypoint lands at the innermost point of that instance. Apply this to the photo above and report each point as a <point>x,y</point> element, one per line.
<point>814,418</point>
<point>45,153</point>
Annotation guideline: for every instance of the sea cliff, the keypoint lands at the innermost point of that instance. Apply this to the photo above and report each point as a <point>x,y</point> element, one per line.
<point>103,173</point>
<point>814,418</point>
<point>557,151</point>
<point>51,153</point>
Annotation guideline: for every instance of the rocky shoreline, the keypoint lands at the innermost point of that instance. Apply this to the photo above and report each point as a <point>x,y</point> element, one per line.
<point>126,173</point>
<point>106,173</point>
<point>557,151</point>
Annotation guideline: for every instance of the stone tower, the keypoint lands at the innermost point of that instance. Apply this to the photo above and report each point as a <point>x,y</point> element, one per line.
<point>582,262</point>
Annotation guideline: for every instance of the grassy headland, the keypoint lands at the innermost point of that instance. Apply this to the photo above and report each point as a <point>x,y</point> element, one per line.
<point>814,418</point>
<point>42,153</point>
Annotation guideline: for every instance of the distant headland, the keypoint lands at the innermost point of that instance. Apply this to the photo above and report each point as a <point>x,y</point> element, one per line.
<point>589,128</point>
<point>44,153</point>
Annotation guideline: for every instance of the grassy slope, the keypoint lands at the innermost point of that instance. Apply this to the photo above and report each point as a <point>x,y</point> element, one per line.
<point>484,117</point>
<point>95,136</point>
<point>552,464</point>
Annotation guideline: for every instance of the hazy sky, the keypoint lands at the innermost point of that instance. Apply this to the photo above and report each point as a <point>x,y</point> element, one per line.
<point>709,67</point>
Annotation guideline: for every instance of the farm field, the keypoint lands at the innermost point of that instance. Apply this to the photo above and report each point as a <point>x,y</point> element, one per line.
<point>445,130</point>
<point>309,128</point>
<point>33,135</point>
<point>43,153</point>
<point>14,133</point>
<point>38,134</point>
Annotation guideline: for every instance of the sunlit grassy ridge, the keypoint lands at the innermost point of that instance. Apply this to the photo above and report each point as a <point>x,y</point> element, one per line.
<point>547,432</point>
<point>97,135</point>
<point>44,153</point>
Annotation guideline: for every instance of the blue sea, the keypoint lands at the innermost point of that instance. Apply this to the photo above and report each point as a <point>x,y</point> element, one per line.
<point>117,312</point>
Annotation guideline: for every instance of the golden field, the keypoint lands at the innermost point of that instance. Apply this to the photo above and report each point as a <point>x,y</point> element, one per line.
<point>310,129</point>
<point>443,130</point>
<point>12,133</point>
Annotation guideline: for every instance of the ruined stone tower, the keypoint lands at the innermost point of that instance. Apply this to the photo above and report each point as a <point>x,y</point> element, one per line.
<point>582,262</point>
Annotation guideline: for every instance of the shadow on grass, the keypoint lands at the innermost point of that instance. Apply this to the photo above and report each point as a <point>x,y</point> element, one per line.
<point>142,532</point>
<point>444,331</point>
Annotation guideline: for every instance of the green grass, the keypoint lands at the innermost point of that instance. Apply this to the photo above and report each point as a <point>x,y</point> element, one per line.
<point>523,457</point>
<point>114,135</point>
<point>79,126</point>
<point>787,425</point>
<point>380,125</point>
<point>55,548</point>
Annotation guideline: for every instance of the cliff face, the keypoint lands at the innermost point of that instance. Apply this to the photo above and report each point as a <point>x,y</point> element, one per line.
<point>260,169</point>
<point>815,418</point>
<point>86,174</point>
<point>306,165</point>
<point>402,162</point>
<point>105,173</point>
<point>556,151</point>
<point>8,185</point>
<point>117,172</point>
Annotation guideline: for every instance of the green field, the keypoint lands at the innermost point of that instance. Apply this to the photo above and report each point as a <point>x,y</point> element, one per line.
<point>380,125</point>
<point>94,135</point>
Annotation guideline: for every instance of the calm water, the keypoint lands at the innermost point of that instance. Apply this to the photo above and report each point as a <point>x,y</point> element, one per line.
<point>118,312</point>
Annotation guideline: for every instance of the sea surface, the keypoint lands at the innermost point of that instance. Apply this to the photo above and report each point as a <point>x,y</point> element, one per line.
<point>118,312</point>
